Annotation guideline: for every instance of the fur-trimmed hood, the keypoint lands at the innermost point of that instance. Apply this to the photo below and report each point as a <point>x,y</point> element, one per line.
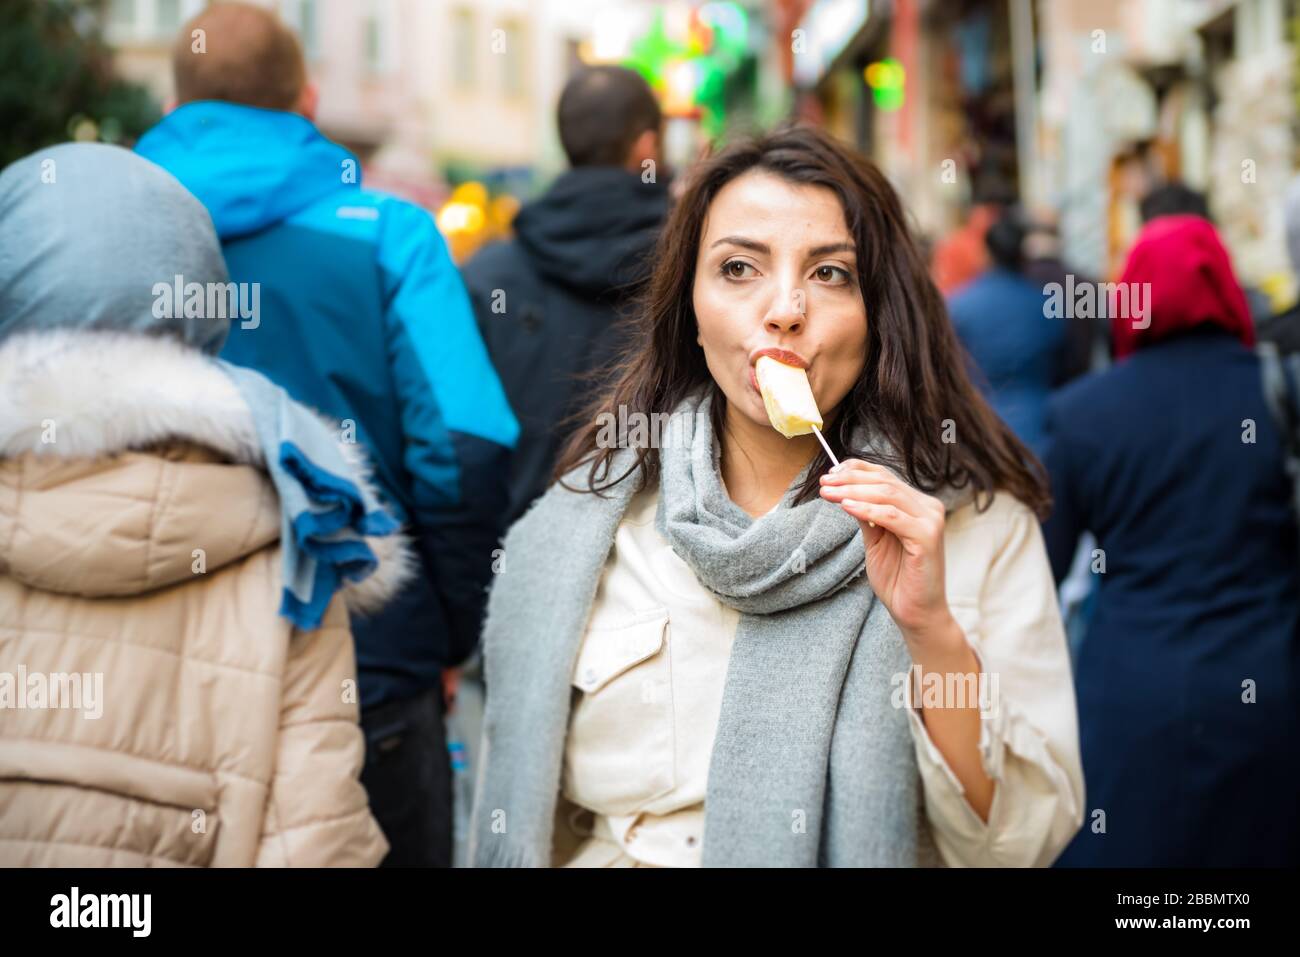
<point>83,417</point>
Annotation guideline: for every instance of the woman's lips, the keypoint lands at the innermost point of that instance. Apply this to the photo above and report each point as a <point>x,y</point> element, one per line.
<point>784,356</point>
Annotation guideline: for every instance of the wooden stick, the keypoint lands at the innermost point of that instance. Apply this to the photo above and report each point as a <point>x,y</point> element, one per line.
<point>822,440</point>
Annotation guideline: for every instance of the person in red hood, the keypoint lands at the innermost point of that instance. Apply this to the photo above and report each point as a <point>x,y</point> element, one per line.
<point>1189,671</point>
<point>1183,264</point>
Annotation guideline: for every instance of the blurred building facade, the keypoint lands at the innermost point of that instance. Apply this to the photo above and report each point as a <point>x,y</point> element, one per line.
<point>1077,107</point>
<point>1073,107</point>
<point>413,86</point>
<point>435,94</point>
<point>1200,91</point>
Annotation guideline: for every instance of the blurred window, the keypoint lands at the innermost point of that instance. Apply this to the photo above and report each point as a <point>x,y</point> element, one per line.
<point>462,48</point>
<point>308,28</point>
<point>121,13</point>
<point>167,17</point>
<point>514,58</point>
<point>1259,27</point>
<point>374,44</point>
<point>301,15</point>
<point>380,35</point>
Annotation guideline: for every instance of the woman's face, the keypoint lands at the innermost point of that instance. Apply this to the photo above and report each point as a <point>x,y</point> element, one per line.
<point>776,272</point>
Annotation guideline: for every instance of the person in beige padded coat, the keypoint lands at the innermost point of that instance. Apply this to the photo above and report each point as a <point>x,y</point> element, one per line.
<point>156,709</point>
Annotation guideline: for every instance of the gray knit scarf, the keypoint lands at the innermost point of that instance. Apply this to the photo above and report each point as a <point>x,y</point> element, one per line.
<point>812,765</point>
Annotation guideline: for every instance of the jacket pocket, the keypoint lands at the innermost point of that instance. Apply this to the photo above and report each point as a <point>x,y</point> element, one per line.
<point>620,753</point>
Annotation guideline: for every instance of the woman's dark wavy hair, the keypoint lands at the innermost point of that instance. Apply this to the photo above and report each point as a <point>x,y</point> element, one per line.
<point>913,381</point>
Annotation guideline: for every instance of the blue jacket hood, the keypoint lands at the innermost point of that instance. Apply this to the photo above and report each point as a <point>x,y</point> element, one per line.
<point>250,167</point>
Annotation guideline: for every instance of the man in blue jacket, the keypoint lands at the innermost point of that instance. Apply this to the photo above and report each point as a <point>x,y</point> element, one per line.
<point>363,316</point>
<point>1018,352</point>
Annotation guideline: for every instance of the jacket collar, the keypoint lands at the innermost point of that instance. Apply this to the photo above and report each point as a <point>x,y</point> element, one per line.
<point>78,394</point>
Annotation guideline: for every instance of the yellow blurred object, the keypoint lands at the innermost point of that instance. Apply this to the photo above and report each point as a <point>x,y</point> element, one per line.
<point>471,192</point>
<point>472,217</point>
<point>457,217</point>
<point>681,81</point>
<point>502,211</point>
<point>1280,287</point>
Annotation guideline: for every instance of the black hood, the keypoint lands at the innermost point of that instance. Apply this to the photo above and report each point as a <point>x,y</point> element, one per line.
<point>594,229</point>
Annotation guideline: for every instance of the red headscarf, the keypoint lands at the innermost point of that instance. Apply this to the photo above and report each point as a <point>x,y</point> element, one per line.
<point>1191,283</point>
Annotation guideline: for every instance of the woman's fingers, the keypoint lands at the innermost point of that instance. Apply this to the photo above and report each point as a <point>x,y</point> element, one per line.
<point>853,472</point>
<point>879,493</point>
<point>857,472</point>
<point>838,493</point>
<point>910,517</point>
<point>851,465</point>
<point>908,527</point>
<point>869,491</point>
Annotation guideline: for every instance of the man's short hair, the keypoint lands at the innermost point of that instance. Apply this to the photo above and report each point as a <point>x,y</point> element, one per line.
<point>246,56</point>
<point>1005,239</point>
<point>1173,199</point>
<point>603,109</point>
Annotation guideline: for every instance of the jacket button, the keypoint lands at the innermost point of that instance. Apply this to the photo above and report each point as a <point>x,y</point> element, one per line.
<point>589,676</point>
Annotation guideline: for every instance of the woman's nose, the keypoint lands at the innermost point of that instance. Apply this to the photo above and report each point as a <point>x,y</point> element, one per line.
<point>787,313</point>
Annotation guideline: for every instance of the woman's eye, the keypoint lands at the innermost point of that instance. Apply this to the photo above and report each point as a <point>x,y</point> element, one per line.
<point>831,274</point>
<point>735,269</point>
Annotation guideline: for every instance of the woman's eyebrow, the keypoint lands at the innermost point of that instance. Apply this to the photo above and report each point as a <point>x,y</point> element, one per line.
<point>831,248</point>
<point>824,250</point>
<point>743,243</point>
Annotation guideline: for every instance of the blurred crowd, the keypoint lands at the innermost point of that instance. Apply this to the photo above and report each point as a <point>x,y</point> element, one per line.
<point>346,468</point>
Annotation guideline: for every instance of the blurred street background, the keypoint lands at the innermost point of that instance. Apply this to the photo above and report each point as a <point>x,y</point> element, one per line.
<point>1072,111</point>
<point>1072,107</point>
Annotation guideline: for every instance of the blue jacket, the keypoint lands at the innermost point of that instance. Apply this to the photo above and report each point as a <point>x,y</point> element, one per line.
<point>1018,351</point>
<point>1171,459</point>
<point>364,317</point>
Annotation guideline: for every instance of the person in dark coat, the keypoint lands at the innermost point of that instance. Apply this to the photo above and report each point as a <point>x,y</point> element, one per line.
<point>1188,676</point>
<point>1001,320</point>
<point>1087,342</point>
<point>549,300</point>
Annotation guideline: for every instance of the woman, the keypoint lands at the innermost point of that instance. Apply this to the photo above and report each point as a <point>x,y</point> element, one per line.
<point>685,664</point>
<point>1190,668</point>
<point>176,668</point>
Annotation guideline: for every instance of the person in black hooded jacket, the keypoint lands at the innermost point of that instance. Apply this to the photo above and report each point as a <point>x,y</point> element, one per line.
<point>548,301</point>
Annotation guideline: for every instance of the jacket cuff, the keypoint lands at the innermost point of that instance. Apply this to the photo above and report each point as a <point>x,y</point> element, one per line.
<point>993,724</point>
